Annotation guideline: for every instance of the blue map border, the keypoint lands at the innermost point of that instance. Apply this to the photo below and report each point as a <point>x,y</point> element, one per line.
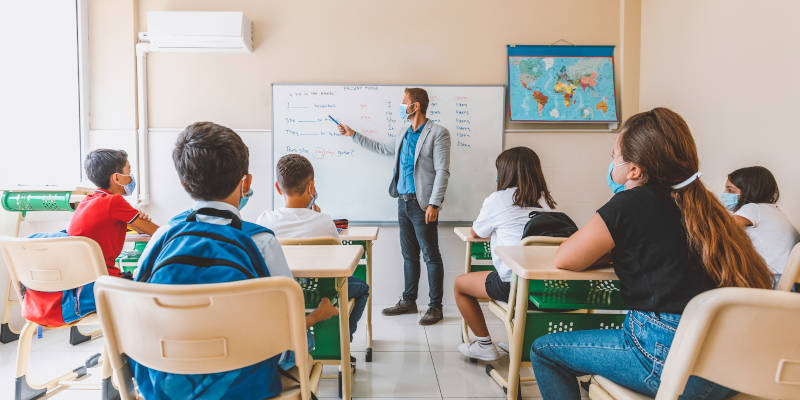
<point>559,51</point>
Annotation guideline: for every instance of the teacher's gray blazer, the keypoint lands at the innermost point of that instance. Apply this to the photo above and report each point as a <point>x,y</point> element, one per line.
<point>431,162</point>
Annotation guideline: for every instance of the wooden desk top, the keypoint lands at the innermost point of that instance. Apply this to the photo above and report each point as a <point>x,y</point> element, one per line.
<point>536,263</point>
<point>137,237</point>
<point>324,261</point>
<point>47,188</point>
<point>359,233</point>
<point>463,233</point>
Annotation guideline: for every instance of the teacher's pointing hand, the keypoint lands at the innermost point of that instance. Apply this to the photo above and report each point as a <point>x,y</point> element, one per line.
<point>345,130</point>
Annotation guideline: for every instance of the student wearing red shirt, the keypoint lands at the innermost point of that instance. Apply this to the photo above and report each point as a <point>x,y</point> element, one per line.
<point>104,215</point>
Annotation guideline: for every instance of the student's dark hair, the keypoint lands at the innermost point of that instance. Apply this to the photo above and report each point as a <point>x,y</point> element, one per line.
<point>293,173</point>
<point>210,159</point>
<point>757,185</point>
<point>520,167</point>
<point>418,95</point>
<point>100,164</point>
<point>660,143</point>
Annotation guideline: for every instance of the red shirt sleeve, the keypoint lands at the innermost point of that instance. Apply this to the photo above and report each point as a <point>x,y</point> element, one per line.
<point>121,210</point>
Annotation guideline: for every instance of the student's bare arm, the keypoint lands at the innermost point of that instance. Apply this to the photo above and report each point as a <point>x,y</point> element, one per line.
<point>143,224</point>
<point>742,221</point>
<point>324,311</point>
<point>585,248</point>
<point>473,235</point>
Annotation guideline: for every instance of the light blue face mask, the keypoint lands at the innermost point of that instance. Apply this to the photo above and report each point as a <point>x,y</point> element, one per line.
<point>615,187</point>
<point>313,200</point>
<point>131,186</point>
<point>244,199</point>
<point>729,200</point>
<point>404,112</point>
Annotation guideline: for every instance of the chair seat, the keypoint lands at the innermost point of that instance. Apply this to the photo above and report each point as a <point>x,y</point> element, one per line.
<point>611,390</point>
<point>499,308</point>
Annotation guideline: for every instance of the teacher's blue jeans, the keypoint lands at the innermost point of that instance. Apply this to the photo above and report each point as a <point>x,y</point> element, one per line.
<point>632,357</point>
<point>416,235</point>
<point>358,290</point>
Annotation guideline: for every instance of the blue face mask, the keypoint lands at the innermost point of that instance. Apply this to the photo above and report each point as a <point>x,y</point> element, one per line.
<point>729,200</point>
<point>615,187</point>
<point>130,187</point>
<point>404,112</point>
<point>244,199</point>
<point>313,200</point>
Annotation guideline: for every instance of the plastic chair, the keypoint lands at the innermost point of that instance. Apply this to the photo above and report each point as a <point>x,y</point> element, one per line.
<point>53,265</point>
<point>741,338</point>
<point>505,312</point>
<point>791,274</point>
<point>190,329</point>
<point>9,309</point>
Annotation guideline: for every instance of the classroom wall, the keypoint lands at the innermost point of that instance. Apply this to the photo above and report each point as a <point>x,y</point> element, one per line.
<point>433,42</point>
<point>727,70</point>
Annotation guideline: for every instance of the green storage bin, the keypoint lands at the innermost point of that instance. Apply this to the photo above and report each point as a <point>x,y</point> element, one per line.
<point>361,272</point>
<point>314,289</point>
<point>481,250</point>
<point>326,340</point>
<point>361,243</point>
<point>478,268</point>
<point>36,201</point>
<point>578,294</point>
<point>128,260</point>
<point>540,323</point>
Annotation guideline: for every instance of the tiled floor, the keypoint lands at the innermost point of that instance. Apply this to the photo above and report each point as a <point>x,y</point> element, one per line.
<point>409,362</point>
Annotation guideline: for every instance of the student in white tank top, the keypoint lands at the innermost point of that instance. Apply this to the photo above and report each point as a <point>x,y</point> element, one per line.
<point>751,193</point>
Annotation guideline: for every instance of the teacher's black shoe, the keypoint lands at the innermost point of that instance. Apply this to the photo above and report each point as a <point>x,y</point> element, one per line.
<point>402,307</point>
<point>432,316</point>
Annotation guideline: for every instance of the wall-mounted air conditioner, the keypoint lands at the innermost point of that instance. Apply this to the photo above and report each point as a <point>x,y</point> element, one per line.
<point>197,31</point>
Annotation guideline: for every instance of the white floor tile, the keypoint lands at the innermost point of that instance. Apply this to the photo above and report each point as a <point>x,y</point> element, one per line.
<point>460,378</point>
<point>397,375</point>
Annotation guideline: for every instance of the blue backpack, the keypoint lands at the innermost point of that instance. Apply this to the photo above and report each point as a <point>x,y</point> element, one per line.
<point>194,252</point>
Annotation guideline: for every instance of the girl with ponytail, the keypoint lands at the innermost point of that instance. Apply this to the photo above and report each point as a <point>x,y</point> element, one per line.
<point>670,239</point>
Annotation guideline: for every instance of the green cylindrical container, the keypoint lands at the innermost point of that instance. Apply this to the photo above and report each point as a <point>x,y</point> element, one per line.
<point>36,201</point>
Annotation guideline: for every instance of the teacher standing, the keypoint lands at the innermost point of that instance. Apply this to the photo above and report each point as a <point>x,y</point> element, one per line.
<point>421,170</point>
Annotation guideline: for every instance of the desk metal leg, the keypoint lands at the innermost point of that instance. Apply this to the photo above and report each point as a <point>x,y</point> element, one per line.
<point>368,356</point>
<point>344,337</point>
<point>467,269</point>
<point>517,340</point>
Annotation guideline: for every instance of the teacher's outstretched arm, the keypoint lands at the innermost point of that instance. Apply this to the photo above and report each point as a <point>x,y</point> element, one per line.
<point>369,144</point>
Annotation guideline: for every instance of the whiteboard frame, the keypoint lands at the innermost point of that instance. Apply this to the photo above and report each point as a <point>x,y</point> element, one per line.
<point>381,223</point>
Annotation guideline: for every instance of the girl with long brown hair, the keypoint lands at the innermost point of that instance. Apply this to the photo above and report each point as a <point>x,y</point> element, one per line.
<point>670,239</point>
<point>521,188</point>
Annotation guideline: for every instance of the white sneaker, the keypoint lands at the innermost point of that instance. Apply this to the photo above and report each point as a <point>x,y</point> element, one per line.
<point>476,351</point>
<point>503,346</point>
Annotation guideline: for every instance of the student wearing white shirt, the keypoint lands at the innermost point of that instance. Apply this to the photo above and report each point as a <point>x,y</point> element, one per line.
<point>751,193</point>
<point>521,188</point>
<point>302,218</point>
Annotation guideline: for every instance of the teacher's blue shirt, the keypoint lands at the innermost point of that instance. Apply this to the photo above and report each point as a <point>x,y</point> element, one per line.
<point>405,180</point>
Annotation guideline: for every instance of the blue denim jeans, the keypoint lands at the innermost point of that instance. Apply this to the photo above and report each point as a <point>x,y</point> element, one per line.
<point>632,357</point>
<point>358,290</point>
<point>416,235</point>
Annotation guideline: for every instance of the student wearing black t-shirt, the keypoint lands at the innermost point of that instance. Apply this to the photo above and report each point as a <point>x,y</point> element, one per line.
<point>669,239</point>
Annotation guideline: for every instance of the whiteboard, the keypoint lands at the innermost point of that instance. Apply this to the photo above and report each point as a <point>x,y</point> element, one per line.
<point>353,182</point>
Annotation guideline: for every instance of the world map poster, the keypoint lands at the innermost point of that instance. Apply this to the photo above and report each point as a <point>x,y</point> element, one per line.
<point>561,84</point>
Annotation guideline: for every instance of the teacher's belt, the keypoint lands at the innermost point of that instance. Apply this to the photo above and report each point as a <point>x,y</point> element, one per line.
<point>408,197</point>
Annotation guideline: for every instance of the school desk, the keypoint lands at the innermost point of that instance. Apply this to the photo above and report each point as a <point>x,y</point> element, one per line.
<point>533,263</point>
<point>338,262</point>
<point>20,200</point>
<point>364,236</point>
<point>478,257</point>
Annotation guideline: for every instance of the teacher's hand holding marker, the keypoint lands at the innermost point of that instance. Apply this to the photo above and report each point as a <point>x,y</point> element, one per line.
<point>419,181</point>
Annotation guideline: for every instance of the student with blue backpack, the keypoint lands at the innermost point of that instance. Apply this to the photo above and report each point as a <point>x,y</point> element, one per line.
<point>211,244</point>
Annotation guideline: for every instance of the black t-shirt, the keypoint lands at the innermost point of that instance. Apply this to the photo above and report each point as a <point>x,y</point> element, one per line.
<point>656,267</point>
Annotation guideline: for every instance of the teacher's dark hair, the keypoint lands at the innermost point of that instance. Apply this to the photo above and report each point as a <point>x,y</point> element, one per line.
<point>420,96</point>
<point>757,185</point>
<point>211,160</point>
<point>520,167</point>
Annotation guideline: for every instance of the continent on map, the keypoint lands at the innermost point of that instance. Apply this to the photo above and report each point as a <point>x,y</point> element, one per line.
<point>588,81</point>
<point>530,69</point>
<point>567,89</point>
<point>541,101</point>
<point>602,105</point>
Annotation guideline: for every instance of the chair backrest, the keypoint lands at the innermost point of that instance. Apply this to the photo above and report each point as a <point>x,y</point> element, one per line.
<point>741,338</point>
<point>309,241</point>
<point>203,329</point>
<point>53,265</point>
<point>791,274</point>
<point>542,241</point>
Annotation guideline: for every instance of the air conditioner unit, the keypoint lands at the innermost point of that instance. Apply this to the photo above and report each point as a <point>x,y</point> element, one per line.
<point>197,31</point>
